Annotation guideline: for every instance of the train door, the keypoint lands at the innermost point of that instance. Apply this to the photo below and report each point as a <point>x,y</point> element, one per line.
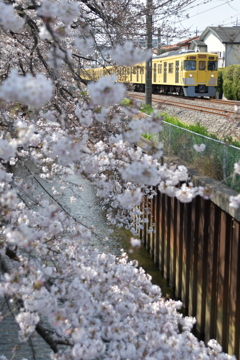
<point>137,73</point>
<point>165,73</point>
<point>202,69</point>
<point>142,74</point>
<point>177,72</point>
<point>154,72</point>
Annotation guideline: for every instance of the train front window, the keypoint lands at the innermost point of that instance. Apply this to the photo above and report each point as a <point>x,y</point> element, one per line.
<point>189,65</point>
<point>212,65</point>
<point>202,65</point>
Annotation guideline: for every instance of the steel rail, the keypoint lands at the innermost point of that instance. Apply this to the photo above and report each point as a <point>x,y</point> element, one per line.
<point>194,107</point>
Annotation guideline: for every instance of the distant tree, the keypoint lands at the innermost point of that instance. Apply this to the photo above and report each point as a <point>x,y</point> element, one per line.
<point>236,82</point>
<point>228,81</point>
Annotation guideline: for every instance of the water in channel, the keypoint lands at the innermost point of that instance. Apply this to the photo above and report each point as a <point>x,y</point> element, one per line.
<point>86,208</point>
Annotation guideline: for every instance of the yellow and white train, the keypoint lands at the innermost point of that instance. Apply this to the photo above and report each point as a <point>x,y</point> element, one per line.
<point>191,74</point>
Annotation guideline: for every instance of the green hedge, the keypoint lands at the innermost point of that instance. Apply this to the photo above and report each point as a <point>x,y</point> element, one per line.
<point>236,82</point>
<point>229,82</point>
<point>220,83</point>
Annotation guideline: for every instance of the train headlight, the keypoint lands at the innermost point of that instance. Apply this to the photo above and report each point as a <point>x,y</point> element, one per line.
<point>212,75</point>
<point>190,75</point>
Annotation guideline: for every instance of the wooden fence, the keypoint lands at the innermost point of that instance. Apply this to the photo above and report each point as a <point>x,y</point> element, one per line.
<point>197,249</point>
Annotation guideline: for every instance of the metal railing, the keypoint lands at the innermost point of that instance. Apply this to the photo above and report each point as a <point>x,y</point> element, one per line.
<point>216,161</point>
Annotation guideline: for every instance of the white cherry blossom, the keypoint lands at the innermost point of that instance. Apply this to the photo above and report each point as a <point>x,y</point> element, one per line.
<point>185,193</point>
<point>7,149</point>
<point>106,91</point>
<point>237,168</point>
<point>128,54</point>
<point>199,148</point>
<point>85,46</point>
<point>234,201</point>
<point>29,90</point>
<point>130,197</point>
<point>135,242</point>
<point>9,18</point>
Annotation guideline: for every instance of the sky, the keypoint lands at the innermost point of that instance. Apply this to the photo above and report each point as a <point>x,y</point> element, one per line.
<point>204,13</point>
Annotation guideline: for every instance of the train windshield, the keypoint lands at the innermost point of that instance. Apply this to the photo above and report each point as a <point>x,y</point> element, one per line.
<point>212,65</point>
<point>189,65</point>
<point>202,65</point>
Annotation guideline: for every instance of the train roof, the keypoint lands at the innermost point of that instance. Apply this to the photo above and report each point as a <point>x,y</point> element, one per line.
<point>175,53</point>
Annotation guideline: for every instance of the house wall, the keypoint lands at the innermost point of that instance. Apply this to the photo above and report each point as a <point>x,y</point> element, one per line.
<point>216,46</point>
<point>232,54</point>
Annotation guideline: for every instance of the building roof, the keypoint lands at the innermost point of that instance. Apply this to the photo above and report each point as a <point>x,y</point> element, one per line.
<point>188,41</point>
<point>224,34</point>
<point>170,47</point>
<point>199,42</point>
<point>179,44</point>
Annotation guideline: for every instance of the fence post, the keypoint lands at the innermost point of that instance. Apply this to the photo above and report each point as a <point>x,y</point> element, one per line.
<point>170,137</point>
<point>224,161</point>
<point>184,146</point>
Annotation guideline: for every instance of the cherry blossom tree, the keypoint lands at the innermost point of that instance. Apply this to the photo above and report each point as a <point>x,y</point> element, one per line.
<point>84,304</point>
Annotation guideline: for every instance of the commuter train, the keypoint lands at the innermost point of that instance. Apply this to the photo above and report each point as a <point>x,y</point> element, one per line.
<point>191,74</point>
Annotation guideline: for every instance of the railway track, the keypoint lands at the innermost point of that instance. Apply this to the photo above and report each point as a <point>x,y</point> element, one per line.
<point>194,106</point>
<point>219,101</point>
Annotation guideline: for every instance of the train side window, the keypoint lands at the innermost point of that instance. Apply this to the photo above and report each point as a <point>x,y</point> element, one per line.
<point>202,65</point>
<point>154,72</point>
<point>170,68</point>
<point>189,65</point>
<point>212,65</point>
<point>159,68</point>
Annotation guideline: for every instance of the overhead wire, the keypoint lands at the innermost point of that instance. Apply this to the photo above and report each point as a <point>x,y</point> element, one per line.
<point>182,18</point>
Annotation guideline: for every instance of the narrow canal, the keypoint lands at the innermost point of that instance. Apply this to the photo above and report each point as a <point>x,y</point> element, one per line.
<point>86,209</point>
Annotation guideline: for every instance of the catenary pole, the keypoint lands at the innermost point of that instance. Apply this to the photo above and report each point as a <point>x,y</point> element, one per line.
<point>148,80</point>
<point>159,42</point>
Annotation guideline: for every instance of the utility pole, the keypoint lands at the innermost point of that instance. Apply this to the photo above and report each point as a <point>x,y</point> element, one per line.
<point>159,41</point>
<point>148,82</point>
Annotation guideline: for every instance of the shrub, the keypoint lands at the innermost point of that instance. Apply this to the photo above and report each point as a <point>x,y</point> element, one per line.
<point>220,83</point>
<point>231,82</point>
<point>228,89</point>
<point>236,83</point>
<point>228,72</point>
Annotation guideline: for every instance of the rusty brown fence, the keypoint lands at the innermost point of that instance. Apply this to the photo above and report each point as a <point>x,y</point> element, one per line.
<point>197,249</point>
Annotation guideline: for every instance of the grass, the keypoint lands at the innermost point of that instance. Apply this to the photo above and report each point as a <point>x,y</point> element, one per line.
<point>148,136</point>
<point>146,108</point>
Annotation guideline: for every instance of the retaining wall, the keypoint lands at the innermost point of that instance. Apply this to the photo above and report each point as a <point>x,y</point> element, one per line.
<point>197,249</point>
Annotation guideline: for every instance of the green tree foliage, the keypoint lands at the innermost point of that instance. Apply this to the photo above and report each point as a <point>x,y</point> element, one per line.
<point>236,82</point>
<point>227,89</point>
<point>228,72</point>
<point>231,82</point>
<point>220,83</point>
